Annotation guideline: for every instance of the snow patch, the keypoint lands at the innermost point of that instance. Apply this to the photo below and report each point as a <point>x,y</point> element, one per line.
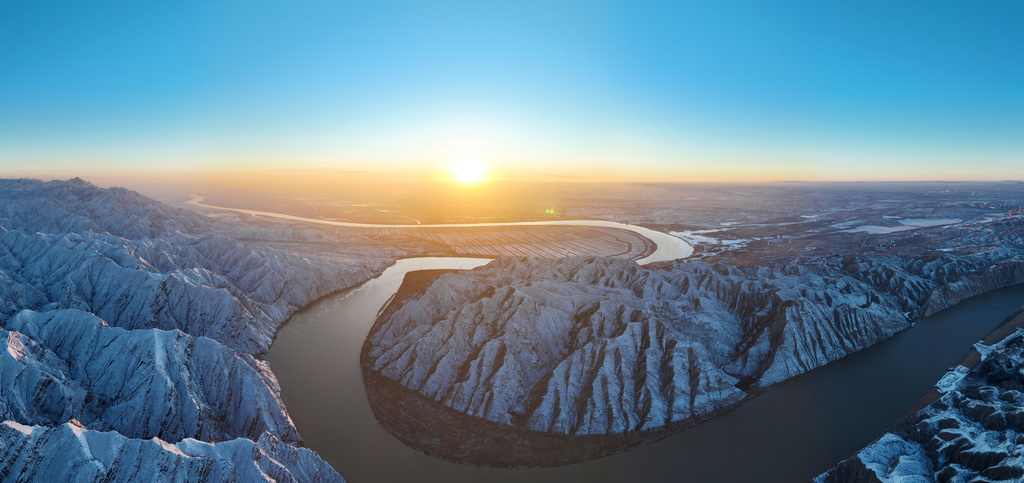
<point>695,236</point>
<point>15,347</point>
<point>78,428</point>
<point>21,428</point>
<point>951,379</point>
<point>894,459</point>
<point>170,447</point>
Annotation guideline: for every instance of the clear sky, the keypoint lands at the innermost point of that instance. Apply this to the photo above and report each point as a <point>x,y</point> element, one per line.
<point>671,91</point>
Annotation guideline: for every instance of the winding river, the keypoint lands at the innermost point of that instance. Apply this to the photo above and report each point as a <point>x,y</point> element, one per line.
<point>790,433</point>
<point>667,248</point>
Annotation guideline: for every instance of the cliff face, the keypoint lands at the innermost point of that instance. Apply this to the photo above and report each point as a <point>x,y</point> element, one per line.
<point>510,343</point>
<point>971,432</point>
<point>598,346</point>
<point>590,346</point>
<point>130,325</point>
<point>141,383</point>
<point>927,284</point>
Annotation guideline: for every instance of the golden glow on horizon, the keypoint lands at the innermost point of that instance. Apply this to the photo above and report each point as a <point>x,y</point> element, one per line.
<point>493,168</point>
<point>468,170</point>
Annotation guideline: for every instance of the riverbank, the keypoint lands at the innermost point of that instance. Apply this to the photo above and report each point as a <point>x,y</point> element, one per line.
<point>412,284</point>
<point>441,432</point>
<point>434,428</point>
<point>963,428</point>
<point>794,431</point>
<point>969,360</point>
<point>437,430</point>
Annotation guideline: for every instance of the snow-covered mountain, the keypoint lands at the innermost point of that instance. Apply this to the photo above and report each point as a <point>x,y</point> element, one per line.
<point>67,364</point>
<point>591,346</point>
<point>131,328</point>
<point>137,263</point>
<point>601,345</point>
<point>69,452</point>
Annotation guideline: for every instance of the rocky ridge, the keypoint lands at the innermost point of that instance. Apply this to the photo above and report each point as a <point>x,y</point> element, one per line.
<point>69,452</point>
<point>137,263</point>
<point>140,383</point>
<point>131,330</point>
<point>602,346</point>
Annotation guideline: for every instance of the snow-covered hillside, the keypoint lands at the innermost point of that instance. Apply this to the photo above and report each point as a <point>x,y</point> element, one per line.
<point>131,328</point>
<point>137,263</point>
<point>590,346</point>
<point>70,452</point>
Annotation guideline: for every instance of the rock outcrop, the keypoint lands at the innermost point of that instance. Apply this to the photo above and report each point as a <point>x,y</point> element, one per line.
<point>973,430</point>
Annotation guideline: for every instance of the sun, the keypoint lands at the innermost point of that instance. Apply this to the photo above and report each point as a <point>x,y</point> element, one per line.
<point>468,170</point>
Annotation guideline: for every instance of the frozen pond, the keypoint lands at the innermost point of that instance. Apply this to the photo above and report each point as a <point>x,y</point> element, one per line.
<point>905,224</point>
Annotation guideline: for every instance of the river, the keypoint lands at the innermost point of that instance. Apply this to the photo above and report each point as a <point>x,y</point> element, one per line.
<point>790,433</point>
<point>667,247</point>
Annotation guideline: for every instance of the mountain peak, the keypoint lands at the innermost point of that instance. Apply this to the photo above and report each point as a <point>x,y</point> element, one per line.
<point>78,182</point>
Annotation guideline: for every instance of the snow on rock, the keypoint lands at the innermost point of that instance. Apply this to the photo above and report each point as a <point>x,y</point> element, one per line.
<point>141,383</point>
<point>600,345</point>
<point>973,432</point>
<point>950,380</point>
<point>140,322</point>
<point>70,452</point>
<point>892,458</point>
<point>591,345</point>
<point>131,261</point>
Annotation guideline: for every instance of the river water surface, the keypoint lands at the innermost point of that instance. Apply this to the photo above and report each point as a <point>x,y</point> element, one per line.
<point>667,247</point>
<point>791,433</point>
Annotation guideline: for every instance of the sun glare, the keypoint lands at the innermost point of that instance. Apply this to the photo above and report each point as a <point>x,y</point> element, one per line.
<point>468,170</point>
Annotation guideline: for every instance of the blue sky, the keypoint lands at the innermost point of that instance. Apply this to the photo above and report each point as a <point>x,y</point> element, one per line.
<point>654,90</point>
